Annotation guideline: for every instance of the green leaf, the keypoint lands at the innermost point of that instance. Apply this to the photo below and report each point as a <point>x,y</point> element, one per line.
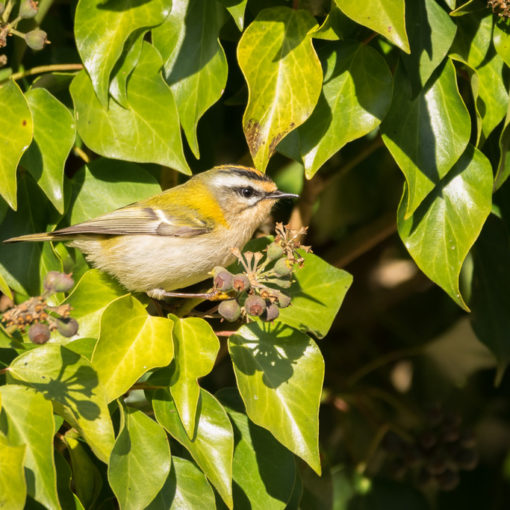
<point>185,487</point>
<point>104,185</point>
<point>89,299</point>
<point>442,230</point>
<point>264,471</point>
<point>54,135</point>
<point>212,446</point>
<point>355,98</point>
<point>69,381</point>
<point>195,65</point>
<point>386,17</point>
<point>236,9</point>
<point>87,479</point>
<point>196,347</point>
<point>283,74</point>
<point>279,373</point>
<point>503,170</point>
<point>148,131</point>
<point>426,134</point>
<point>123,355</point>
<point>27,419</point>
<point>317,295</point>
<point>490,297</point>
<point>502,41</point>
<point>473,39</point>
<point>101,30</point>
<point>140,461</point>
<point>431,33</point>
<point>13,489</point>
<point>16,130</point>
<point>336,26</point>
<point>67,498</point>
<point>4,288</point>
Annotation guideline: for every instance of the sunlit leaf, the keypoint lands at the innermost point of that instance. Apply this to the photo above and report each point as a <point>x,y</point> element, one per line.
<point>147,131</point>
<point>27,419</point>
<point>284,77</point>
<point>441,232</point>
<point>13,488</point>
<point>195,65</point>
<point>196,347</point>
<point>212,446</point>
<point>386,17</point>
<point>279,374</point>
<point>69,381</point>
<point>16,130</point>
<point>236,9</point>
<point>123,355</point>
<point>426,134</point>
<point>54,134</point>
<point>140,461</point>
<point>101,30</point>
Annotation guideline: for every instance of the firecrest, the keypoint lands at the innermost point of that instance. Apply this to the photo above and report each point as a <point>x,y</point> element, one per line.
<point>175,239</point>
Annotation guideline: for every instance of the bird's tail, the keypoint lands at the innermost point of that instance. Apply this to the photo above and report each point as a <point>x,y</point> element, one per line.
<point>44,236</point>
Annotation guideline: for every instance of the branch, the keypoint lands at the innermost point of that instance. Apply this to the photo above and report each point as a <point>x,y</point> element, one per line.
<point>45,69</point>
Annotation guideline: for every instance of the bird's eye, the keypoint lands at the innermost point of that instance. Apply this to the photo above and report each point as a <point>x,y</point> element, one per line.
<point>247,192</point>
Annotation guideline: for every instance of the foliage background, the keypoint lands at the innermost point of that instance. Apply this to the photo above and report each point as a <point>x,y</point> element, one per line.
<point>390,118</point>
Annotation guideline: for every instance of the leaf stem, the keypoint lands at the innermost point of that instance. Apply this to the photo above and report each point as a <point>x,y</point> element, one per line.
<point>225,333</point>
<point>45,69</point>
<point>4,370</point>
<point>78,151</point>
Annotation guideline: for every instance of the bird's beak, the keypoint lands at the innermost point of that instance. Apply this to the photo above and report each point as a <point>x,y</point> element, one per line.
<point>277,194</point>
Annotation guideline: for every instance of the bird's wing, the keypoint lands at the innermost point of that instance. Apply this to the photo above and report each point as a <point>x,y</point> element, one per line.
<point>141,218</point>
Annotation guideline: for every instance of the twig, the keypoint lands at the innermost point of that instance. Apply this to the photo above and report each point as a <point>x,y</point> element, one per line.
<point>45,69</point>
<point>225,333</point>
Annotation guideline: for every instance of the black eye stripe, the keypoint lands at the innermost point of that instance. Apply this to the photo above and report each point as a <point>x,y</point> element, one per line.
<point>247,191</point>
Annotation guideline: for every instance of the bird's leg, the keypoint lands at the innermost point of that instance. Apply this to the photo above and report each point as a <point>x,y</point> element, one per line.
<point>162,294</point>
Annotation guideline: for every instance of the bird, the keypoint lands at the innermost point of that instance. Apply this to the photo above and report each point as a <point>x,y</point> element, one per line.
<point>177,237</point>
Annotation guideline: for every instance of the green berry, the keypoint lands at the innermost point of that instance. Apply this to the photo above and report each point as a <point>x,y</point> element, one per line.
<point>283,299</point>
<point>223,279</point>
<point>274,251</point>
<point>67,327</point>
<point>254,305</point>
<point>229,310</point>
<point>28,9</point>
<point>272,312</point>
<point>36,39</point>
<point>39,333</point>
<point>240,283</point>
<point>282,267</point>
<point>58,282</point>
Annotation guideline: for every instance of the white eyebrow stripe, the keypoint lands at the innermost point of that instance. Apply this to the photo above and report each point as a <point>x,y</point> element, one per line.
<point>236,181</point>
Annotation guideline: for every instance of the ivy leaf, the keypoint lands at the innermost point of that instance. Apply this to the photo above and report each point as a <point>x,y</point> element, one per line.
<point>54,135</point>
<point>502,41</point>
<point>116,132</point>
<point>4,288</point>
<point>105,184</point>
<point>67,498</point>
<point>279,373</point>
<point>16,130</point>
<point>13,488</point>
<point>386,17</point>
<point>185,487</point>
<point>442,230</point>
<point>195,65</point>
<point>101,32</point>
<point>236,9</point>
<point>196,347</point>
<point>89,299</point>
<point>27,419</point>
<point>71,383</point>
<point>140,461</point>
<point>317,294</point>
<point>431,33</point>
<point>503,170</point>
<point>123,355</point>
<point>283,74</point>
<point>212,446</point>
<point>426,134</point>
<point>355,98</point>
<point>264,471</point>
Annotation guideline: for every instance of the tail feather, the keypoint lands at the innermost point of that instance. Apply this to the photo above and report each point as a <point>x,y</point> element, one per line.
<point>33,237</point>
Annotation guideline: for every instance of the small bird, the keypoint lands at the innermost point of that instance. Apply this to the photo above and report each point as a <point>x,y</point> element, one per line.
<point>175,239</point>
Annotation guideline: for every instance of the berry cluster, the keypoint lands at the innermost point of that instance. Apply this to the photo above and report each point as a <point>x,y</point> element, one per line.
<point>436,455</point>
<point>39,317</point>
<point>35,39</point>
<point>254,292</point>
<point>502,7</point>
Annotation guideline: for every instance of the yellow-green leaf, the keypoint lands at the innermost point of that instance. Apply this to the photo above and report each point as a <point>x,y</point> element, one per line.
<point>13,489</point>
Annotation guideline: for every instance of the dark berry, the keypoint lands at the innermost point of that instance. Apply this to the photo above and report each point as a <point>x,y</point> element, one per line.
<point>67,327</point>
<point>466,459</point>
<point>283,299</point>
<point>448,480</point>
<point>58,282</point>
<point>223,279</point>
<point>229,310</point>
<point>254,305</point>
<point>39,333</point>
<point>272,312</point>
<point>240,283</point>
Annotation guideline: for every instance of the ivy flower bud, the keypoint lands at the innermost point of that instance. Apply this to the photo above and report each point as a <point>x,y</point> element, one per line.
<point>229,310</point>
<point>36,39</point>
<point>223,279</point>
<point>282,267</point>
<point>39,333</point>
<point>283,299</point>
<point>240,283</point>
<point>272,312</point>
<point>58,282</point>
<point>254,305</point>
<point>274,251</point>
<point>28,9</point>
